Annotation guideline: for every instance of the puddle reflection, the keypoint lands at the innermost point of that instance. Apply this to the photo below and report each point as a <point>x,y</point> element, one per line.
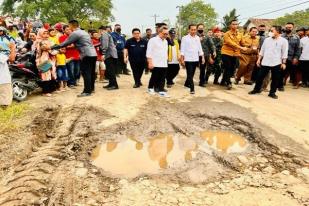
<point>225,141</point>
<point>132,158</point>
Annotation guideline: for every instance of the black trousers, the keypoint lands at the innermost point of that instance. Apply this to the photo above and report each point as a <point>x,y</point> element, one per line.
<point>138,70</point>
<point>275,78</point>
<point>172,72</point>
<point>88,72</point>
<point>121,65</point>
<point>284,74</point>
<point>229,64</point>
<point>255,74</point>
<point>304,66</point>
<point>202,71</point>
<point>190,67</point>
<point>157,79</point>
<point>111,66</point>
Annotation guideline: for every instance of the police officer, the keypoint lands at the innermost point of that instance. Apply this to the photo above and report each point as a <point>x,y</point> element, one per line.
<point>135,52</point>
<point>120,42</point>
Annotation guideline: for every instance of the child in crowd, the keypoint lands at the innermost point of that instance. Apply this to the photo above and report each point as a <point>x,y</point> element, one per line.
<point>53,36</point>
<point>100,66</point>
<point>62,72</point>
<point>45,61</point>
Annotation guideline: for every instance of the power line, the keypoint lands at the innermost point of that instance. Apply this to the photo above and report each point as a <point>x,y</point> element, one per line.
<point>266,13</point>
<point>262,5</point>
<point>257,4</point>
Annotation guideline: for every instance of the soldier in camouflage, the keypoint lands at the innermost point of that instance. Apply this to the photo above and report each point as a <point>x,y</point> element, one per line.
<point>216,67</point>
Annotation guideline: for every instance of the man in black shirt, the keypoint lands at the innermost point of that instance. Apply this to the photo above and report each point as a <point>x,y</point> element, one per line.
<point>135,52</point>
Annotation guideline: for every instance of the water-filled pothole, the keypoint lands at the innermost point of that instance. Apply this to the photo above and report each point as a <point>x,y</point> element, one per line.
<point>131,158</point>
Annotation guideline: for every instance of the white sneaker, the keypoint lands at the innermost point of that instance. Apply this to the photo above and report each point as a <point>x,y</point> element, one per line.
<point>164,94</point>
<point>151,91</point>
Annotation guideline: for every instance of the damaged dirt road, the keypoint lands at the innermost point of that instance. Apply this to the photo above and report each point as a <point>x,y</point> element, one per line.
<point>127,148</point>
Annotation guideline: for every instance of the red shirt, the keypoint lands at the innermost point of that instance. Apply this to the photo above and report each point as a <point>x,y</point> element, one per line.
<point>70,52</point>
<point>97,43</point>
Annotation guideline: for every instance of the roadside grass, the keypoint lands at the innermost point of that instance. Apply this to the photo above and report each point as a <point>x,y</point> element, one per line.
<point>9,116</point>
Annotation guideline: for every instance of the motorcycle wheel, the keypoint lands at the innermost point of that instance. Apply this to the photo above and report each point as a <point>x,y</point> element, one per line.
<point>19,93</point>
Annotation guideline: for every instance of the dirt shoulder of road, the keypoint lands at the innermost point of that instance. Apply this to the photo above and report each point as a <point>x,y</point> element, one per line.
<point>47,160</point>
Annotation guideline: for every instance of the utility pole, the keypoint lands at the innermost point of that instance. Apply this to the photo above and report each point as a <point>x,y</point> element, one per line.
<point>155,16</point>
<point>179,21</point>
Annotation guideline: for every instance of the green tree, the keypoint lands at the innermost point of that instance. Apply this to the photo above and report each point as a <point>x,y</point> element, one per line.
<point>228,18</point>
<point>196,12</point>
<point>299,18</point>
<point>53,11</point>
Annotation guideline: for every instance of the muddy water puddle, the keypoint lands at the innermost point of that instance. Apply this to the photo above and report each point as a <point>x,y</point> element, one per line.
<point>131,158</point>
<point>225,141</point>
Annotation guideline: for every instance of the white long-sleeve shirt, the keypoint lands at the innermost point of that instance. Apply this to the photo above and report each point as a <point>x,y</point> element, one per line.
<point>274,51</point>
<point>157,50</point>
<point>191,48</point>
<point>304,45</point>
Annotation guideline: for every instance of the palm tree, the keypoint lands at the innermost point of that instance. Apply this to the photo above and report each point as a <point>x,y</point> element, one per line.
<point>228,18</point>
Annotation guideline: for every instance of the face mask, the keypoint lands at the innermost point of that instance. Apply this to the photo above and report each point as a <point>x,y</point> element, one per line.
<point>261,33</point>
<point>118,30</point>
<point>288,31</point>
<point>200,31</point>
<point>270,34</point>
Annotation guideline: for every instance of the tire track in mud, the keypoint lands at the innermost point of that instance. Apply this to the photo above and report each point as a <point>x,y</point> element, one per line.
<point>37,179</point>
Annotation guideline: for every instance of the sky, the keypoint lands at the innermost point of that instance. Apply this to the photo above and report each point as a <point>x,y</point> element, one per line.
<point>137,13</point>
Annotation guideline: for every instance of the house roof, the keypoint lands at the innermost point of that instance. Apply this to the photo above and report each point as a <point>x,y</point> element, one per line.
<point>257,22</point>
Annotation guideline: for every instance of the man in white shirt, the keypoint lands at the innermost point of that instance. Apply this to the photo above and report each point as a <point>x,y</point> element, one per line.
<point>157,55</point>
<point>191,51</point>
<point>304,58</point>
<point>273,57</point>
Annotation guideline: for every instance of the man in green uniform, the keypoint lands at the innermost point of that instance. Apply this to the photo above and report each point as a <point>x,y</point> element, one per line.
<point>216,68</point>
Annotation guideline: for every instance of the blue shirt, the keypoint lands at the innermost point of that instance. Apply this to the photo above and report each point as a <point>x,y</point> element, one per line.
<point>5,42</point>
<point>119,40</point>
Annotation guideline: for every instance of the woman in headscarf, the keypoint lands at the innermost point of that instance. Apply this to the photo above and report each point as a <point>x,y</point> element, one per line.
<point>7,52</point>
<point>45,61</point>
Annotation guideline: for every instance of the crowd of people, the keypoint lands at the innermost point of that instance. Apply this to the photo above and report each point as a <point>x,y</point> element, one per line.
<point>65,52</point>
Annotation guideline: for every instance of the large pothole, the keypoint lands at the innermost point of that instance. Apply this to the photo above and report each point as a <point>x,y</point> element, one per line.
<point>74,160</point>
<point>183,143</point>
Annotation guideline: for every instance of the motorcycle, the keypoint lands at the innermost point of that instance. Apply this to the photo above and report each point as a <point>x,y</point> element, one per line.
<point>25,76</point>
